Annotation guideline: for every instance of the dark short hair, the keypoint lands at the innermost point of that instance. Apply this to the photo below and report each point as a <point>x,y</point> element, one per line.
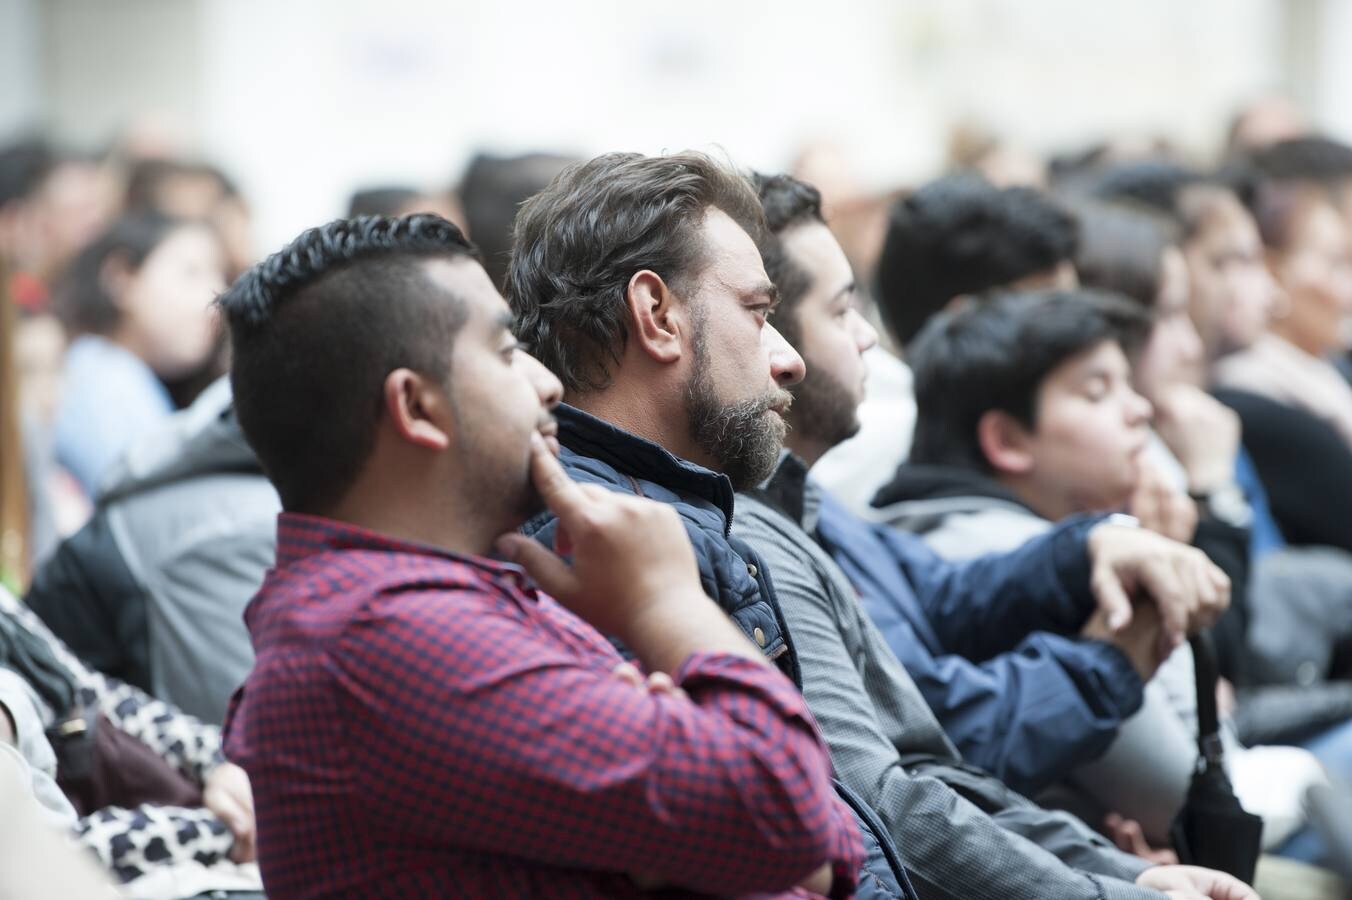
<point>491,190</point>
<point>994,353</point>
<point>24,165</point>
<point>80,297</point>
<point>1313,158</point>
<point>1184,195</point>
<point>1152,183</point>
<point>1122,247</point>
<point>315,329</point>
<point>962,235</point>
<point>148,179</point>
<point>787,202</point>
<point>380,201</point>
<point>580,241</point>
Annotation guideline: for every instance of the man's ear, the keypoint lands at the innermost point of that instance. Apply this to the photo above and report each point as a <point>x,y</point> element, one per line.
<point>418,409</point>
<point>654,316</point>
<point>1004,441</point>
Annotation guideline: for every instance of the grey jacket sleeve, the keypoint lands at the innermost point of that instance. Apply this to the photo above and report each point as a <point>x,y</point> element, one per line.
<point>950,847</point>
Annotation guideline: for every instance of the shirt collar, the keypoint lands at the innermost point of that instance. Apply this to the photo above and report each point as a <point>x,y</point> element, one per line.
<point>589,436</point>
<point>790,491</point>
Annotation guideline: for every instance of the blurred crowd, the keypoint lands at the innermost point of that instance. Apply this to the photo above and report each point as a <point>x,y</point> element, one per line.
<point>1023,347</point>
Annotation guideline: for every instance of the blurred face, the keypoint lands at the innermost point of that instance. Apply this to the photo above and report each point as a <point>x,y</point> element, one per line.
<point>832,338</point>
<point>499,395</point>
<point>736,398</point>
<point>73,206</point>
<point>1091,428</point>
<point>1315,271</point>
<point>1232,294</point>
<point>1173,354</point>
<point>166,304</point>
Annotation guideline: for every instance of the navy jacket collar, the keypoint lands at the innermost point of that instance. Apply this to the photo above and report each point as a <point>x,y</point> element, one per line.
<point>587,435</point>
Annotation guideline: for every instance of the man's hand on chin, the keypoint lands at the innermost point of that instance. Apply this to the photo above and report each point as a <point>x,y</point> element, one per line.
<point>1195,883</point>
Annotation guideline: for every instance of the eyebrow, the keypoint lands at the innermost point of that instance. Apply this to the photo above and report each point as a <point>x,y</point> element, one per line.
<point>503,321</point>
<point>847,289</point>
<point>766,289</point>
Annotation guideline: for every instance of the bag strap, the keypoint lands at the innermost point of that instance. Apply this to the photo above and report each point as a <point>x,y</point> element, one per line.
<point>1210,751</point>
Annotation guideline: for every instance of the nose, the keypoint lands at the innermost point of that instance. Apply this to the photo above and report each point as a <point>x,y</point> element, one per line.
<point>1139,410</point>
<point>547,386</point>
<point>786,366</point>
<point>865,335</point>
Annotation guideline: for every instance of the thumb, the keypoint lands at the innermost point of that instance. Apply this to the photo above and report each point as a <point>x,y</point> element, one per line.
<point>546,568</point>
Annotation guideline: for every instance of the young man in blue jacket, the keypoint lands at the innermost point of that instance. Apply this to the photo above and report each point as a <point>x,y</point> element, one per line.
<point>638,281</point>
<point>1017,690</point>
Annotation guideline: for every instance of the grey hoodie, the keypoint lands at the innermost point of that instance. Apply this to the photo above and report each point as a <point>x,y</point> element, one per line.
<point>154,588</point>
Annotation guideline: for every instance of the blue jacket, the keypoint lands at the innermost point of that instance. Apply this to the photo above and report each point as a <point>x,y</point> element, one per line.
<point>593,451</point>
<point>989,645</point>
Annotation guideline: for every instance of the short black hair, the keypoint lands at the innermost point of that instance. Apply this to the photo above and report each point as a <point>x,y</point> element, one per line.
<point>787,202</point>
<point>316,327</point>
<point>580,241</point>
<point>963,235</point>
<point>148,179</point>
<point>24,165</point>
<point>1314,158</point>
<point>492,188</point>
<point>1184,195</point>
<point>994,353</point>
<point>1154,183</point>
<point>380,201</point>
<point>80,296</point>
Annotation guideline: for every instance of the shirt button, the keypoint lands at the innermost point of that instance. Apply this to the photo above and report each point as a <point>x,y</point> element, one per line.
<point>751,570</point>
<point>759,636</point>
<point>1307,672</point>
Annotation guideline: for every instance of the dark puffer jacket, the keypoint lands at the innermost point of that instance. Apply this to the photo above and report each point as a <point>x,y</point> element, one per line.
<point>595,452</point>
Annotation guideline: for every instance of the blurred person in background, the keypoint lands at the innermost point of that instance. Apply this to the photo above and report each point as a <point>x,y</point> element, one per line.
<point>1027,416</point>
<point>1301,460</point>
<point>491,189</point>
<point>136,782</point>
<point>199,191</point>
<point>52,204</point>
<point>1309,253</point>
<point>152,590</point>
<point>957,235</point>
<point>137,305</point>
<point>1264,121</point>
<point>399,200</point>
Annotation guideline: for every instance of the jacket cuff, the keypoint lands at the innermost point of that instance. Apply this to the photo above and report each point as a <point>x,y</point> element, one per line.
<point>1070,554</point>
<point>1113,889</point>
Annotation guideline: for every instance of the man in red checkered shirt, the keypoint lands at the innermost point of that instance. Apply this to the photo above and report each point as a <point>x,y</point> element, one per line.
<point>421,721</point>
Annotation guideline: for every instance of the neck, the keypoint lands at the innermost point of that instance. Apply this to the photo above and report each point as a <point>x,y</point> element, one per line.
<point>1051,508</point>
<point>808,449</point>
<point>1284,330</point>
<point>403,511</point>
<point>647,414</point>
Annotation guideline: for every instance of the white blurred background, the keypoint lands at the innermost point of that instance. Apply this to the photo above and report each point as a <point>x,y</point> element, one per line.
<point>303,100</point>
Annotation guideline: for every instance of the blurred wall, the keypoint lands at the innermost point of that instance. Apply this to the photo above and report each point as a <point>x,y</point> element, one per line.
<point>303,100</point>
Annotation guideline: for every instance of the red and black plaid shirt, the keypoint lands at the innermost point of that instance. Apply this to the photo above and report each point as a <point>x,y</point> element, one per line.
<point>424,724</point>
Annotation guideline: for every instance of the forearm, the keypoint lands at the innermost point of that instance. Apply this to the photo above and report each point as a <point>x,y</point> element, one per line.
<point>988,605</point>
<point>1033,714</point>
